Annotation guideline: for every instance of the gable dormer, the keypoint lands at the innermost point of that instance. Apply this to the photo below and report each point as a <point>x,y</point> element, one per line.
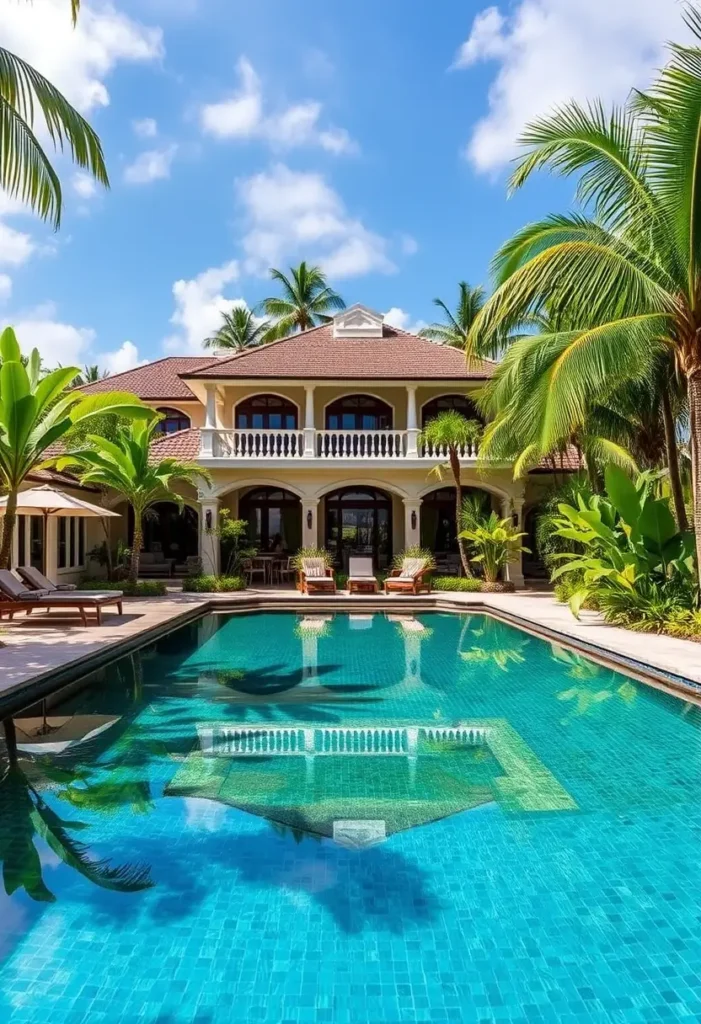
<point>357,322</point>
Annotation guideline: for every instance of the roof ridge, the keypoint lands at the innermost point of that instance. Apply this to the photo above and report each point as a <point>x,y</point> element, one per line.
<point>267,344</point>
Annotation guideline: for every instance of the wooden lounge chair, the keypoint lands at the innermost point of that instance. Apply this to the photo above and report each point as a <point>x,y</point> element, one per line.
<point>36,580</point>
<point>15,598</point>
<point>413,578</point>
<point>316,577</point>
<point>361,578</point>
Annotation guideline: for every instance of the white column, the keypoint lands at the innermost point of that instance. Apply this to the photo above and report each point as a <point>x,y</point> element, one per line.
<point>310,527</point>
<point>210,422</point>
<point>412,429</point>
<point>209,541</point>
<point>412,521</point>
<point>512,508</point>
<point>309,429</point>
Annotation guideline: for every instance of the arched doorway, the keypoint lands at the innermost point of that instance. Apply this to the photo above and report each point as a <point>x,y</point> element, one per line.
<point>266,412</point>
<point>274,518</point>
<point>173,420</point>
<point>444,403</point>
<point>358,412</point>
<point>168,530</point>
<point>438,527</point>
<point>359,522</point>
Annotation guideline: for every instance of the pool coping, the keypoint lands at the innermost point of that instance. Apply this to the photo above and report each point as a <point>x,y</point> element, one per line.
<point>42,685</point>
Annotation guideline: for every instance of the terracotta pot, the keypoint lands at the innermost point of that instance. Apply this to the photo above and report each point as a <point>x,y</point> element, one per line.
<point>499,587</point>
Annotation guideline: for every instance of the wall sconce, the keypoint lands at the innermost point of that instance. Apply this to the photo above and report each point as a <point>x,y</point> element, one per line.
<point>309,519</point>
<point>208,519</point>
<point>514,518</point>
<point>413,520</point>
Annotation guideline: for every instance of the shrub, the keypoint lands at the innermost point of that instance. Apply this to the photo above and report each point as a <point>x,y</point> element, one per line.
<point>213,584</point>
<point>497,542</point>
<point>464,584</point>
<point>312,552</point>
<point>414,551</point>
<point>141,588</point>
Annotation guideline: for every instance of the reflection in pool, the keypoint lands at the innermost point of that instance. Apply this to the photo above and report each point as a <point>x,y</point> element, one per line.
<point>352,818</point>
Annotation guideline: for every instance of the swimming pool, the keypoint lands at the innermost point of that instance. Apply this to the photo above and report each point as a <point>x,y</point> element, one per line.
<point>354,818</point>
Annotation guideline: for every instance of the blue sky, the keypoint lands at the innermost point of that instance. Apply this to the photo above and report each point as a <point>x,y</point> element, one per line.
<point>372,137</point>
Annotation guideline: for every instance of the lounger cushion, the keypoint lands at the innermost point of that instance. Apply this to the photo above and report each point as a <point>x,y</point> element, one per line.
<point>411,567</point>
<point>314,567</point>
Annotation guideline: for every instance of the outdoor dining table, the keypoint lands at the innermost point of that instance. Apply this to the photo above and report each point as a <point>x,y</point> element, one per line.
<point>267,561</point>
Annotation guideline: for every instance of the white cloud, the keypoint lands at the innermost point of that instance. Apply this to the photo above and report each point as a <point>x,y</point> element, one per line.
<point>77,60</point>
<point>15,246</point>
<point>5,287</point>
<point>151,165</point>
<point>551,51</point>
<point>57,342</point>
<point>145,127</point>
<point>397,317</point>
<point>289,213</point>
<point>242,116</point>
<point>84,185</point>
<point>199,303</point>
<point>126,357</point>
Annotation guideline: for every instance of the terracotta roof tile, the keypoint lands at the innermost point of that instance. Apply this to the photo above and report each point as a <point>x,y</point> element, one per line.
<point>183,444</point>
<point>52,476</point>
<point>317,354</point>
<point>158,381</point>
<point>569,461</point>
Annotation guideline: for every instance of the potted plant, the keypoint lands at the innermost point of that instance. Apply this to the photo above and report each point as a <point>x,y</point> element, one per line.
<point>496,543</point>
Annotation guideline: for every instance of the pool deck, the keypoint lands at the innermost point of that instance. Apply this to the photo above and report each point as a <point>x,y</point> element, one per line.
<point>39,651</point>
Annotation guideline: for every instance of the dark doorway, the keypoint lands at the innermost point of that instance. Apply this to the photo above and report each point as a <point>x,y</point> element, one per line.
<point>460,403</point>
<point>438,527</point>
<point>358,412</point>
<point>266,412</point>
<point>168,530</point>
<point>274,518</point>
<point>359,522</point>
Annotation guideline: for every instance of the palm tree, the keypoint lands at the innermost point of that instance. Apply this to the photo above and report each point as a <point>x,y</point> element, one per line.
<point>90,375</point>
<point>238,331</point>
<point>628,269</point>
<point>449,434</point>
<point>457,325</point>
<point>306,301</point>
<point>25,169</point>
<point>125,465</point>
<point>37,411</point>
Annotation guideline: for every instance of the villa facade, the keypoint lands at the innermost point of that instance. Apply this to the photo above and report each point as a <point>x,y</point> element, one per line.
<point>315,440</point>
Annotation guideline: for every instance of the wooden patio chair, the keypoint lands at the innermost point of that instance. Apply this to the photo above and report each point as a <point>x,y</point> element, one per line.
<point>361,578</point>
<point>413,578</point>
<point>15,598</point>
<point>316,577</point>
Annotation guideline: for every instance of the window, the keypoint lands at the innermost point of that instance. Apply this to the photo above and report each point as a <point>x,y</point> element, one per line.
<point>22,540</point>
<point>460,403</point>
<point>274,518</point>
<point>173,421</point>
<point>358,412</point>
<point>266,412</point>
<point>36,542</point>
<point>71,542</point>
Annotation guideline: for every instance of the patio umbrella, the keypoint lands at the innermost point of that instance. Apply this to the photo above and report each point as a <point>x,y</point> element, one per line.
<point>48,501</point>
<point>54,735</point>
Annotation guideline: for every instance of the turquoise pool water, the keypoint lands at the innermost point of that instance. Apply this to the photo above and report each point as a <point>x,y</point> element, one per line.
<point>285,819</point>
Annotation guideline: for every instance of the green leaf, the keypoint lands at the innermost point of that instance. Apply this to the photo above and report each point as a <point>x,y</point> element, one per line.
<point>657,522</point>
<point>9,346</point>
<point>622,492</point>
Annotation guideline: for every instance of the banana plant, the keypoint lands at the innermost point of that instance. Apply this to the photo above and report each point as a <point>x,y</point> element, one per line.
<point>37,411</point>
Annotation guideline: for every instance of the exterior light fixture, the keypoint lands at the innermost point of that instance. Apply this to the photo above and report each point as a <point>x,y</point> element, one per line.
<point>413,520</point>
<point>309,519</point>
<point>208,519</point>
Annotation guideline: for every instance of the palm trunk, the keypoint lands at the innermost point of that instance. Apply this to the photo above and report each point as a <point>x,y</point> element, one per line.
<point>694,391</point>
<point>8,530</point>
<point>455,467</point>
<point>135,548</point>
<point>675,480</point>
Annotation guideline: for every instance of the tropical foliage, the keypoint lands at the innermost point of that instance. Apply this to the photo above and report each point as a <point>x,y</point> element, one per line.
<point>213,584</point>
<point>37,411</point>
<point>306,301</point>
<point>238,331</point>
<point>450,434</point>
<point>496,542</point>
<point>455,329</point>
<point>621,280</point>
<point>126,466</point>
<point>415,551</point>
<point>235,546</point>
<point>25,169</point>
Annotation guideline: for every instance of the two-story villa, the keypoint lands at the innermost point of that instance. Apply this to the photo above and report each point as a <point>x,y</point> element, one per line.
<point>315,440</point>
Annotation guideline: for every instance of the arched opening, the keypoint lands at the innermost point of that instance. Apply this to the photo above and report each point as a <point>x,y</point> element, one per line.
<point>173,421</point>
<point>359,522</point>
<point>438,526</point>
<point>169,534</point>
<point>274,518</point>
<point>266,412</point>
<point>358,412</point>
<point>444,403</point>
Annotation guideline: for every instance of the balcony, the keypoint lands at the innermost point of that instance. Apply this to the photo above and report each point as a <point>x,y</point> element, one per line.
<point>234,447</point>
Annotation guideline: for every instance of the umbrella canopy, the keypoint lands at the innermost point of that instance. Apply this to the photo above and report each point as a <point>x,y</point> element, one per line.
<point>54,735</point>
<point>48,501</point>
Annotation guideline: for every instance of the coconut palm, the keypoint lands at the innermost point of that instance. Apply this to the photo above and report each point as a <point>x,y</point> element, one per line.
<point>25,169</point>
<point>35,412</point>
<point>91,375</point>
<point>238,331</point>
<point>629,267</point>
<point>306,301</point>
<point>450,433</point>
<point>128,466</point>
<point>456,327</point>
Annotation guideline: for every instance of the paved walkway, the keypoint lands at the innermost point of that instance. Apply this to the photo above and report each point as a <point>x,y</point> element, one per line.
<point>39,647</point>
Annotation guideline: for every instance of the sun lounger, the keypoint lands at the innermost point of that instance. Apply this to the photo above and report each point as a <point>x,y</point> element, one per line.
<point>14,597</point>
<point>361,578</point>
<point>316,577</point>
<point>36,580</point>
<point>412,578</point>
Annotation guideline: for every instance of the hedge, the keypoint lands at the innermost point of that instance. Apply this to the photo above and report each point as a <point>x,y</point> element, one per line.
<point>465,584</point>
<point>142,588</point>
<point>213,584</point>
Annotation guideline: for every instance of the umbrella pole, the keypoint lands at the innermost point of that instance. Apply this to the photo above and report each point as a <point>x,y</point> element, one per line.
<point>45,539</point>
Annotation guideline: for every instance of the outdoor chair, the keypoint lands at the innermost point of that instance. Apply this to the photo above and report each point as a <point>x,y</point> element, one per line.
<point>36,580</point>
<point>250,570</point>
<point>15,597</point>
<point>361,578</point>
<point>316,577</point>
<point>284,569</point>
<point>413,578</point>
